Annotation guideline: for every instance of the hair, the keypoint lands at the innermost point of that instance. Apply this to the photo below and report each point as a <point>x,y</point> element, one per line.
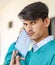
<point>34,11</point>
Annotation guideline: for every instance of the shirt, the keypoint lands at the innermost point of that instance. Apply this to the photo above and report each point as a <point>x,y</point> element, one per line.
<point>36,46</point>
<point>35,58</point>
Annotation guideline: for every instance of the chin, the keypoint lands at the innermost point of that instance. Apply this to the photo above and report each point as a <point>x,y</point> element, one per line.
<point>33,38</point>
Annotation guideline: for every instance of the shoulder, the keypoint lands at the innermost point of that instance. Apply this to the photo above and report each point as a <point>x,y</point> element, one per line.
<point>51,48</point>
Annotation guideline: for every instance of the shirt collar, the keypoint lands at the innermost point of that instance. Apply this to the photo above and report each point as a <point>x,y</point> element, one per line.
<point>45,40</point>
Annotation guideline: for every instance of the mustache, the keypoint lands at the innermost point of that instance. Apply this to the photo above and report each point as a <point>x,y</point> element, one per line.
<point>30,32</point>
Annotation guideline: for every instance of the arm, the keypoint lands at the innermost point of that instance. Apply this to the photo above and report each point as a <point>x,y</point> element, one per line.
<point>9,54</point>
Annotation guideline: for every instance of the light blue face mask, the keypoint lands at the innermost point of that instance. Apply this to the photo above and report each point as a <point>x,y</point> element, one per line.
<point>23,43</point>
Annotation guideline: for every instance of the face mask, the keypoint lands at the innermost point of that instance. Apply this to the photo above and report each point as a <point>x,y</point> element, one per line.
<point>23,43</point>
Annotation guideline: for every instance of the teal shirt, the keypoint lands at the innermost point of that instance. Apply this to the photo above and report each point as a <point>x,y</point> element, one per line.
<point>43,56</point>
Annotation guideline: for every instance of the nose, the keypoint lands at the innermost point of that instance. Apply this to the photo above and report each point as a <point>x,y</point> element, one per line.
<point>29,28</point>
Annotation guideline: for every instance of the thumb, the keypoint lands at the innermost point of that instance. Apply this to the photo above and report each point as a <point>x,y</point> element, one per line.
<point>17,60</point>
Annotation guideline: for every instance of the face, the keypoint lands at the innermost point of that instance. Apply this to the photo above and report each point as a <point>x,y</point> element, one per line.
<point>36,29</point>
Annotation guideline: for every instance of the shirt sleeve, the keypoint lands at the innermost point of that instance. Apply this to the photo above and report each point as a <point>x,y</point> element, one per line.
<point>9,54</point>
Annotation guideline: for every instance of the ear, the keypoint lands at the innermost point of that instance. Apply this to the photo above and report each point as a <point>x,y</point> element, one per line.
<point>47,22</point>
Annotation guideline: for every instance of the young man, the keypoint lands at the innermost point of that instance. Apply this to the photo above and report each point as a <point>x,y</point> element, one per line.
<point>36,23</point>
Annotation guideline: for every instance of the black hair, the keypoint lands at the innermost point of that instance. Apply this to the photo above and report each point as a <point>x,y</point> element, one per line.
<point>49,29</point>
<point>34,11</point>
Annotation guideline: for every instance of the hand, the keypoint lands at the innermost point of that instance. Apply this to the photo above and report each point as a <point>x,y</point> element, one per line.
<point>15,59</point>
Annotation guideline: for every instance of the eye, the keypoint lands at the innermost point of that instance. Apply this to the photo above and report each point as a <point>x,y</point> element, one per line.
<point>25,24</point>
<point>34,22</point>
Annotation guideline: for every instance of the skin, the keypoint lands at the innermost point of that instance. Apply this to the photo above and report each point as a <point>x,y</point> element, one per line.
<point>37,31</point>
<point>15,59</point>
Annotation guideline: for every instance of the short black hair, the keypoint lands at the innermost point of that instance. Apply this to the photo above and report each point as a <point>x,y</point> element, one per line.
<point>34,11</point>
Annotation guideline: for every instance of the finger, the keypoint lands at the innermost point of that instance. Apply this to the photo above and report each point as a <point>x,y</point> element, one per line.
<point>16,51</point>
<point>21,58</point>
<point>17,60</point>
<point>13,58</point>
<point>13,55</point>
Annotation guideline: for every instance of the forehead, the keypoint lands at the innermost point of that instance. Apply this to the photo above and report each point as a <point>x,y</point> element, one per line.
<point>27,21</point>
<point>31,21</point>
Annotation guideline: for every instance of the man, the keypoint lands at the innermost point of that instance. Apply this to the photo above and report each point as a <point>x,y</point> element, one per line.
<point>36,23</point>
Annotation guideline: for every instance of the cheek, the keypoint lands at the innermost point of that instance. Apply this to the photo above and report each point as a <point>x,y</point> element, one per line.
<point>38,29</point>
<point>41,29</point>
